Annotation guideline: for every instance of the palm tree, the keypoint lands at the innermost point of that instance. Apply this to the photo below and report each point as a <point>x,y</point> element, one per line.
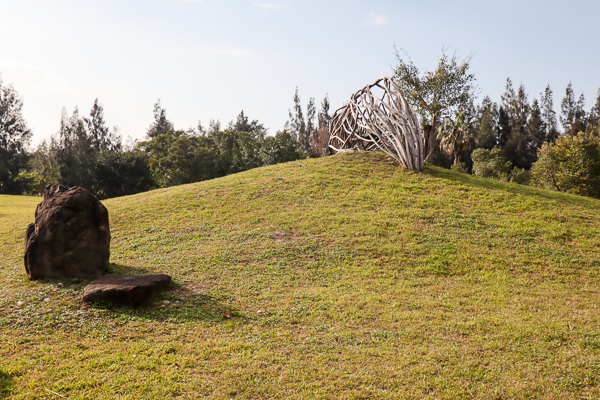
<point>455,134</point>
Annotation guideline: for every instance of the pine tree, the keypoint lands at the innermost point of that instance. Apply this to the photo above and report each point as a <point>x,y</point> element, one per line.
<point>96,127</point>
<point>516,106</point>
<point>567,107</point>
<point>535,132</point>
<point>100,136</point>
<point>14,138</point>
<point>75,154</point>
<point>573,116</point>
<point>307,138</point>
<point>320,138</point>
<point>296,123</point>
<point>548,116</point>
<point>161,124</point>
<point>214,127</point>
<point>594,116</point>
<point>521,111</point>
<point>324,119</point>
<point>517,143</point>
<point>243,124</point>
<point>487,115</point>
<point>296,119</point>
<point>503,129</point>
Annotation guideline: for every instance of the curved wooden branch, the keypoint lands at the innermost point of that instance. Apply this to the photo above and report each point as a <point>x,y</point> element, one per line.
<point>378,118</point>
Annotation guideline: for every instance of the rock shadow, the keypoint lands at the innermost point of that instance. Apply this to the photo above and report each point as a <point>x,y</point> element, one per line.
<point>120,269</point>
<point>184,301</point>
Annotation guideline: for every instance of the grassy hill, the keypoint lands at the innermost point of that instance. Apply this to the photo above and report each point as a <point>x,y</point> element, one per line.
<point>342,277</point>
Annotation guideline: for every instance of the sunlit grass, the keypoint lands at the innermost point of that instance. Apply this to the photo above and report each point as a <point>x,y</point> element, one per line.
<point>343,277</point>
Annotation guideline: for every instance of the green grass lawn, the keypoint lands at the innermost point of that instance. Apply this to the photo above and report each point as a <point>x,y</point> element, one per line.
<point>342,277</point>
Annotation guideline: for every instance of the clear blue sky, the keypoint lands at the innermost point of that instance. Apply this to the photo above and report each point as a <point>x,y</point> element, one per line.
<point>212,58</point>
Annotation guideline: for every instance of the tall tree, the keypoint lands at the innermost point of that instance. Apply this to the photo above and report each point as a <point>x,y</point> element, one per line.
<point>517,144</point>
<point>320,139</point>
<point>14,138</point>
<point>214,126</point>
<point>99,134</point>
<point>503,129</point>
<point>243,124</point>
<point>161,124</point>
<point>487,125</point>
<point>516,106</point>
<point>573,116</point>
<point>536,132</point>
<point>435,93</point>
<point>594,116</point>
<point>324,119</point>
<point>296,122</point>
<point>548,116</point>
<point>311,112</point>
<point>299,127</point>
<point>75,153</point>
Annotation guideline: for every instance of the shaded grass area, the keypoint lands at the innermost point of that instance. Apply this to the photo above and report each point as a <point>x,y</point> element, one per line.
<point>342,277</point>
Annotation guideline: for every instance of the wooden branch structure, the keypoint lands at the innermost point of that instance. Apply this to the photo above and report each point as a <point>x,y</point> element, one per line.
<point>378,118</point>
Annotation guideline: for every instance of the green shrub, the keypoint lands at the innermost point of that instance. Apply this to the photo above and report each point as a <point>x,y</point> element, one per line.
<point>460,168</point>
<point>491,164</point>
<point>571,164</point>
<point>520,176</point>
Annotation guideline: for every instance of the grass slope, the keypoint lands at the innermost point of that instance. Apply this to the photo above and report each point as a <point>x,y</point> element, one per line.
<point>342,277</point>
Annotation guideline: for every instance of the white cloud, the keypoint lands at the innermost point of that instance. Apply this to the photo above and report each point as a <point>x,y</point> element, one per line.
<point>375,20</point>
<point>268,6</point>
<point>234,52</point>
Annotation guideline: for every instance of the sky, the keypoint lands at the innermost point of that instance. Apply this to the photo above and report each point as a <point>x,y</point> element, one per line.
<point>211,59</point>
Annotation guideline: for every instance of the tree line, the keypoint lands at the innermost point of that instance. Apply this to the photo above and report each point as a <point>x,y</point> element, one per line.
<point>512,139</point>
<point>86,153</point>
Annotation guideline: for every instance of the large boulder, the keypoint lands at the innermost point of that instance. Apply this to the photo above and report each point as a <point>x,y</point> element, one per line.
<point>70,237</point>
<point>126,290</point>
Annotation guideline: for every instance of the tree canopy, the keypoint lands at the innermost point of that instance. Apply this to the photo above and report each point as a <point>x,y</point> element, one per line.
<point>434,94</point>
<point>14,138</point>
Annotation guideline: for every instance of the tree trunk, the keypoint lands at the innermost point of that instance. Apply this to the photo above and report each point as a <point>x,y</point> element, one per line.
<point>429,133</point>
<point>457,157</point>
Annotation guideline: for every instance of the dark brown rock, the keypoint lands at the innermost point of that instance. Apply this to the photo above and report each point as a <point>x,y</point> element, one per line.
<point>126,290</point>
<point>70,237</point>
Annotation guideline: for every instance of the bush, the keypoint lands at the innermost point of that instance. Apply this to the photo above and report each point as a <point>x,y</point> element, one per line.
<point>280,148</point>
<point>460,168</point>
<point>571,164</point>
<point>520,176</point>
<point>178,157</point>
<point>121,173</point>
<point>31,183</point>
<point>491,164</point>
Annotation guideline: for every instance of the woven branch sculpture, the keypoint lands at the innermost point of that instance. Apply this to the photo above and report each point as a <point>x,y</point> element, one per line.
<point>378,121</point>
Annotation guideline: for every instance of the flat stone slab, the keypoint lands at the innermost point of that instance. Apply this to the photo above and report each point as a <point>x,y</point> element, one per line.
<point>126,290</point>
